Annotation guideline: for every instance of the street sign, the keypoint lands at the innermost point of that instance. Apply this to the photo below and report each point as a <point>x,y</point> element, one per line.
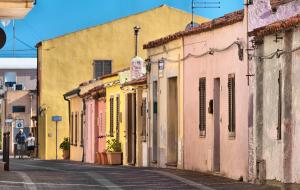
<point>56,118</point>
<point>20,123</point>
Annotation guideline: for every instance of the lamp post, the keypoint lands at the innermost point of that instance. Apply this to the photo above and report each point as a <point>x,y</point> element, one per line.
<point>136,34</point>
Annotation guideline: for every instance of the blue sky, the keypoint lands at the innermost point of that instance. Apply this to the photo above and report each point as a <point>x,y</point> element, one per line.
<point>51,18</point>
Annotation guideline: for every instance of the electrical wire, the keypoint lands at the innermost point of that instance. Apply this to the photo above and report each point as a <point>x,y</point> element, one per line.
<point>278,53</point>
<point>211,51</point>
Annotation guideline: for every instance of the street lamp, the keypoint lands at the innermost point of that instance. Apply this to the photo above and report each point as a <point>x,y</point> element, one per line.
<point>136,33</point>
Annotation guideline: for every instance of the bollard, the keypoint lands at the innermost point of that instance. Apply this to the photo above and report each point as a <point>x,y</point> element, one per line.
<point>6,141</point>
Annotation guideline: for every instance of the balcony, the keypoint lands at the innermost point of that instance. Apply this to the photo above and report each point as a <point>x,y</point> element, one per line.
<point>15,9</point>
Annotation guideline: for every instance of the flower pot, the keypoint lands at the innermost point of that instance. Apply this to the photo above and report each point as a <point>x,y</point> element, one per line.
<point>66,154</point>
<point>103,158</point>
<point>114,158</point>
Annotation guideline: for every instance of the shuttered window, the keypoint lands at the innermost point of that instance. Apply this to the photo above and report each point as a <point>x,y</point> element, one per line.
<point>102,67</point>
<point>81,129</point>
<point>279,105</point>
<point>118,119</point>
<point>143,114</point>
<point>231,105</point>
<point>111,122</point>
<point>202,106</point>
<point>72,128</point>
<point>76,128</point>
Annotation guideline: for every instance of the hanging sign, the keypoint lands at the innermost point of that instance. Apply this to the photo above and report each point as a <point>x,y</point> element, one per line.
<point>20,123</point>
<point>138,68</point>
<point>161,67</point>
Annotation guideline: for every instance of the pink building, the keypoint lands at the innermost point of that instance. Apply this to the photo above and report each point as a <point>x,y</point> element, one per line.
<point>216,94</point>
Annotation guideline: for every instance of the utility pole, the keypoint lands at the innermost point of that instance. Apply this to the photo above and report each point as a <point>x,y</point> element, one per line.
<point>136,34</point>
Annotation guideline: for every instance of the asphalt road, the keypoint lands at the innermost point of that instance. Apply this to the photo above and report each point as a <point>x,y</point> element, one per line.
<point>62,175</point>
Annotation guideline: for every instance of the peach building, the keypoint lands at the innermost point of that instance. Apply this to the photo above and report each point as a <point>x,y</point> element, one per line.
<point>198,93</point>
<point>216,96</point>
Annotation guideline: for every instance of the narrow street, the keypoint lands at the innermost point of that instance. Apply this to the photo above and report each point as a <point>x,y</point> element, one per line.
<point>36,175</point>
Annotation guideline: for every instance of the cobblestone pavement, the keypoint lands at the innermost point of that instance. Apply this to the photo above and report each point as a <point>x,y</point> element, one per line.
<point>37,174</point>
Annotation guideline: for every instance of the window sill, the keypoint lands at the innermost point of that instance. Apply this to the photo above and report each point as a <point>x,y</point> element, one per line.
<point>231,136</point>
<point>202,134</point>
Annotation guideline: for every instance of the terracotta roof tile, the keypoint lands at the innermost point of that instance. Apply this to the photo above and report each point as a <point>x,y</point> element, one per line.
<point>140,81</point>
<point>277,26</point>
<point>226,20</point>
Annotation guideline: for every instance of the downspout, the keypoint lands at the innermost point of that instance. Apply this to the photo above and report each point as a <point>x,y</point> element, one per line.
<point>69,113</point>
<point>84,107</point>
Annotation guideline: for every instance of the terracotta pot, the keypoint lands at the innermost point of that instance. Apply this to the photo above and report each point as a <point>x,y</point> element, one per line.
<point>114,158</point>
<point>103,158</point>
<point>66,154</point>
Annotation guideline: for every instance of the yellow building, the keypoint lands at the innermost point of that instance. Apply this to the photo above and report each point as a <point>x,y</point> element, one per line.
<point>66,61</point>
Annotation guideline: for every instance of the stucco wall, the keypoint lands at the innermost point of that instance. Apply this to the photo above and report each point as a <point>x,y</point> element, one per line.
<point>77,151</point>
<point>114,91</point>
<point>172,51</point>
<point>260,13</point>
<point>66,61</point>
<point>282,160</point>
<point>198,151</point>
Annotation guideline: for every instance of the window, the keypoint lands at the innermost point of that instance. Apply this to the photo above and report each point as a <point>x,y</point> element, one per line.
<point>102,67</point>
<point>72,127</point>
<point>118,119</point>
<point>231,105</point>
<point>202,106</point>
<point>143,114</point>
<point>279,105</point>
<point>111,122</point>
<point>81,129</point>
<point>10,79</point>
<point>76,128</point>
<point>18,109</point>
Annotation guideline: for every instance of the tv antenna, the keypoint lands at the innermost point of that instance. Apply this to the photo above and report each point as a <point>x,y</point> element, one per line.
<point>203,5</point>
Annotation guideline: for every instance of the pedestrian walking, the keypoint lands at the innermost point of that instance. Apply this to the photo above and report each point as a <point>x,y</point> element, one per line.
<point>20,139</point>
<point>30,145</point>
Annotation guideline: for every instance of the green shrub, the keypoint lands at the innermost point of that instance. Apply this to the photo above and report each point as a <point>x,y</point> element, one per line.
<point>65,145</point>
<point>113,146</point>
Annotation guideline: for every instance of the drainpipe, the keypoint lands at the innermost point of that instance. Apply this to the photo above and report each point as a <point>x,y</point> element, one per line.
<point>69,113</point>
<point>84,107</point>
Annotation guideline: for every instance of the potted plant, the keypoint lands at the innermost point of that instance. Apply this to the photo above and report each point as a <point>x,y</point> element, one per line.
<point>65,146</point>
<point>114,152</point>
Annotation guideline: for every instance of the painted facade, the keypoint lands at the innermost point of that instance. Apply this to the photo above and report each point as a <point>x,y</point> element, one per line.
<point>19,111</point>
<point>165,139</point>
<point>136,121</point>
<point>274,125</point>
<point>216,98</point>
<point>276,107</point>
<point>116,114</point>
<point>54,57</point>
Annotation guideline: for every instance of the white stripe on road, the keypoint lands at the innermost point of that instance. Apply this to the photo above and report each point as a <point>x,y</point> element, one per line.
<point>27,181</point>
<point>183,180</point>
<point>103,181</point>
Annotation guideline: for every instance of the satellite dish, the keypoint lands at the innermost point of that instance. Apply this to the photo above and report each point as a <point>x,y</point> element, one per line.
<point>2,38</point>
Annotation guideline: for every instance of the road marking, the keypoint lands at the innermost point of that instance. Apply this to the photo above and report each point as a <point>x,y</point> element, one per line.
<point>103,181</point>
<point>183,180</point>
<point>28,180</point>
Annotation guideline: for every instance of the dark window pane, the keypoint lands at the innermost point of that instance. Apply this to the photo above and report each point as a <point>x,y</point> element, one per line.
<point>102,67</point>
<point>18,109</point>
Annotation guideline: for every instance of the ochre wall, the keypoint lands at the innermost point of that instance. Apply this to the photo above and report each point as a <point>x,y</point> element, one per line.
<point>66,61</point>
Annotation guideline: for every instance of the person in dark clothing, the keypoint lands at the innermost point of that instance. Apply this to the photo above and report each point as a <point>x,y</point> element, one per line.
<point>20,138</point>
